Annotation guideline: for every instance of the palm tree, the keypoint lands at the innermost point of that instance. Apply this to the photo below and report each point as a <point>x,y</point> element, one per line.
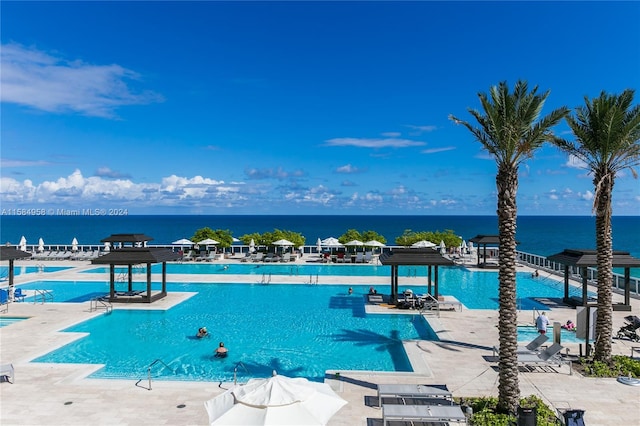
<point>607,130</point>
<point>510,129</point>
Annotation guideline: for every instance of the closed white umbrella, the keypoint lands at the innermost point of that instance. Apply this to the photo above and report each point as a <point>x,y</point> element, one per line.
<point>278,400</point>
<point>319,245</point>
<point>74,244</point>
<point>252,246</point>
<point>40,245</point>
<point>443,247</point>
<point>23,244</point>
<point>107,247</point>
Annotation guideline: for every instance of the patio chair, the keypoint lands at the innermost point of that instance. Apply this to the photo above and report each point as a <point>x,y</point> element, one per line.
<point>18,295</point>
<point>368,257</point>
<point>550,356</point>
<point>359,257</point>
<point>532,347</point>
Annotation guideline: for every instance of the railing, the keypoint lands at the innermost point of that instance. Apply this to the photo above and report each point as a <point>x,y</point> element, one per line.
<point>311,280</point>
<point>100,303</point>
<point>42,296</point>
<point>429,303</point>
<point>266,279</point>
<point>542,263</point>
<point>157,361</point>
<point>235,372</point>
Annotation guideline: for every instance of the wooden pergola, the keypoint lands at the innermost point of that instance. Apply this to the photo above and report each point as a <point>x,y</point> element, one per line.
<point>482,241</point>
<point>414,257</point>
<point>584,259</point>
<point>11,253</point>
<point>136,254</point>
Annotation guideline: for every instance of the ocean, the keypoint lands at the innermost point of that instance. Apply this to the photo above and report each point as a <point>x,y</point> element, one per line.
<point>542,235</point>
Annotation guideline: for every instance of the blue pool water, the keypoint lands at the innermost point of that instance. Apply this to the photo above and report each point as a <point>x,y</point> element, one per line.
<point>476,290</point>
<point>20,270</point>
<point>5,321</point>
<point>297,330</point>
<point>527,334</point>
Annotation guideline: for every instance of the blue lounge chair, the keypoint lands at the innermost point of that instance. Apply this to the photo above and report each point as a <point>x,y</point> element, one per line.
<point>18,295</point>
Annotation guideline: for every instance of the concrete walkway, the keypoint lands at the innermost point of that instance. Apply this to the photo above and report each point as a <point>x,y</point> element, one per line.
<point>47,394</point>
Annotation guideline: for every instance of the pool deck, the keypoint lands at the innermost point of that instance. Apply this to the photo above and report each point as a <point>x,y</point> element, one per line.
<point>47,394</point>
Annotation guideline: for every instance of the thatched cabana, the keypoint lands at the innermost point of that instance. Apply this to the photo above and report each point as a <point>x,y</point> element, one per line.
<point>137,254</point>
<point>584,259</point>
<point>413,257</point>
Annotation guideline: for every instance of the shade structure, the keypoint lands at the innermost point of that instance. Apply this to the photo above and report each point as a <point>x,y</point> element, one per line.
<point>183,242</point>
<point>278,400</point>
<point>423,244</point>
<point>208,242</point>
<point>74,244</point>
<point>282,242</point>
<point>40,245</point>
<point>331,242</point>
<point>374,243</point>
<point>23,244</point>
<point>354,243</point>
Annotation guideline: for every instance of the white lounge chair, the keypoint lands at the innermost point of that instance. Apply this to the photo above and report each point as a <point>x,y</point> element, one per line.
<point>7,371</point>
<point>359,257</point>
<point>550,356</point>
<point>423,413</point>
<point>403,391</point>
<point>532,347</point>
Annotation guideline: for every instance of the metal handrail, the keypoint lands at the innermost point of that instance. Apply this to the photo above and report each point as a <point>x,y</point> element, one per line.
<point>95,302</point>
<point>149,370</point>
<point>45,294</point>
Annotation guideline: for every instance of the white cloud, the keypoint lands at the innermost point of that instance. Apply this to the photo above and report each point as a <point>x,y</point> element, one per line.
<point>588,195</point>
<point>575,163</point>
<point>347,168</point>
<point>436,150</point>
<point>374,143</point>
<point>420,129</point>
<point>107,172</point>
<point>39,80</point>
<point>391,134</point>
<point>553,194</point>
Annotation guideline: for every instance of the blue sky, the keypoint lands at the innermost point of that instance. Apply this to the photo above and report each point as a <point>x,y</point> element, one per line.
<point>295,107</point>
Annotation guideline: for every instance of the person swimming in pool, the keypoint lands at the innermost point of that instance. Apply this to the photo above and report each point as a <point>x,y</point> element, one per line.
<point>202,332</point>
<point>221,351</point>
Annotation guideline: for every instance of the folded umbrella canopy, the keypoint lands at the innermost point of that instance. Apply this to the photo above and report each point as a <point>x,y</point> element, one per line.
<point>278,400</point>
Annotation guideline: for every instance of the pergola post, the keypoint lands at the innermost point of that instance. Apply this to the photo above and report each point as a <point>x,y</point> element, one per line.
<point>435,275</point>
<point>130,270</point>
<point>149,282</point>
<point>585,284</point>
<point>11,277</point>
<point>429,279</point>
<point>164,277</point>
<point>112,281</point>
<point>566,283</point>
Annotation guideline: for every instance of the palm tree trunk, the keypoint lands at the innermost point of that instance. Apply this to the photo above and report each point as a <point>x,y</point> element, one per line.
<point>604,245</point>
<point>508,387</point>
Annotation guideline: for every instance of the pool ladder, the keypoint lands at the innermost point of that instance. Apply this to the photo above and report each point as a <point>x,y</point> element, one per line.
<point>311,280</point>
<point>100,303</point>
<point>266,279</point>
<point>149,372</point>
<point>42,296</point>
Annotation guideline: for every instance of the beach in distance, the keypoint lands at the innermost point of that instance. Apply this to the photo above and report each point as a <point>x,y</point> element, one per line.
<point>543,235</point>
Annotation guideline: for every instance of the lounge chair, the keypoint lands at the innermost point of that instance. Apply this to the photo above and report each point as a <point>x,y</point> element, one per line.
<point>402,391</point>
<point>7,372</point>
<point>340,257</point>
<point>18,295</point>
<point>573,418</point>
<point>258,257</point>
<point>532,347</point>
<point>359,257</point>
<point>368,257</point>
<point>438,414</point>
<point>550,356</point>
<point>187,257</point>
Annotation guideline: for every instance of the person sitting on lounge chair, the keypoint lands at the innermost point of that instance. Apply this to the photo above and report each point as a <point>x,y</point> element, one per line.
<point>202,332</point>
<point>221,351</point>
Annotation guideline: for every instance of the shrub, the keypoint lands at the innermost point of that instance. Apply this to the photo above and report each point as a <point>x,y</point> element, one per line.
<point>485,411</point>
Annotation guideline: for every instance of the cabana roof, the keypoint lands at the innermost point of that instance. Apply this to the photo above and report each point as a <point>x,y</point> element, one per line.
<point>485,239</point>
<point>126,238</point>
<point>580,257</point>
<point>136,255</point>
<point>415,257</point>
<point>12,253</point>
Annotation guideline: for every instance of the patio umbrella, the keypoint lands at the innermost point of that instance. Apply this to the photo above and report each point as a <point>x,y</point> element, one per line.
<point>40,245</point>
<point>283,243</point>
<point>107,247</point>
<point>252,246</point>
<point>443,247</point>
<point>374,243</point>
<point>23,244</point>
<point>423,244</point>
<point>319,245</point>
<point>183,242</point>
<point>331,242</point>
<point>208,242</point>
<point>74,244</point>
<point>354,243</point>
<point>278,400</point>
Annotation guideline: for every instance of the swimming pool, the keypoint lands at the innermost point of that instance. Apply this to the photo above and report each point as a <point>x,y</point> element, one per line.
<point>297,330</point>
<point>5,321</point>
<point>528,333</point>
<point>474,289</point>
<point>20,270</point>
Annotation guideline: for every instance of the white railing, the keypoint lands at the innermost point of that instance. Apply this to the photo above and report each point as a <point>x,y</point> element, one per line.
<point>542,263</point>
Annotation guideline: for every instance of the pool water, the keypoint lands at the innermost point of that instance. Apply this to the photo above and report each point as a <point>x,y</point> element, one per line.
<point>297,330</point>
<point>5,321</point>
<point>21,270</point>
<point>527,334</point>
<point>475,289</point>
